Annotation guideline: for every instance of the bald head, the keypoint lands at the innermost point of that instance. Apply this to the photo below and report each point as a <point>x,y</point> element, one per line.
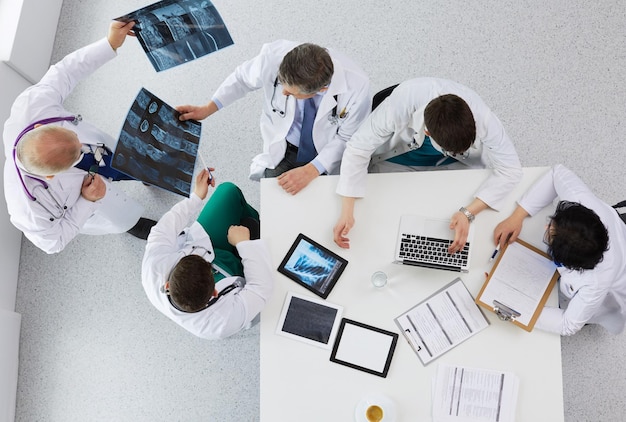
<point>48,150</point>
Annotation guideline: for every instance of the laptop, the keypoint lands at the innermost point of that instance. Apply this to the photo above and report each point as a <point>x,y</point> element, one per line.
<point>423,242</point>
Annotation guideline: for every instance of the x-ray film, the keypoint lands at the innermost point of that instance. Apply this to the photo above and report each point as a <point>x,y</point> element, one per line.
<point>173,32</point>
<point>157,148</point>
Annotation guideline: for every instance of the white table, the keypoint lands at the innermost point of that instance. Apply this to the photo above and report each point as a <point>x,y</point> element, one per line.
<point>300,383</point>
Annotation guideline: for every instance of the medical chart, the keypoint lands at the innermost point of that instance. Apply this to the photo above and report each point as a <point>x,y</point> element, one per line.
<point>442,321</point>
<point>520,280</point>
<point>462,394</point>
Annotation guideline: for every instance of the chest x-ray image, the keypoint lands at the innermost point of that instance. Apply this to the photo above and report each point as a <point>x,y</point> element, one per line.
<point>313,266</point>
<point>173,32</point>
<point>157,148</point>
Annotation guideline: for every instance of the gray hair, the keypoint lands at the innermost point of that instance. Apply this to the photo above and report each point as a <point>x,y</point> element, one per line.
<point>46,151</point>
<point>308,67</point>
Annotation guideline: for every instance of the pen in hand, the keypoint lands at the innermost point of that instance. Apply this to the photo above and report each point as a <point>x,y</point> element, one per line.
<point>207,168</point>
<point>495,252</point>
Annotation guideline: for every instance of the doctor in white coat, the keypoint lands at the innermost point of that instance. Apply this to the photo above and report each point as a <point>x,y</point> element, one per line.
<point>206,272</point>
<point>587,238</point>
<point>48,199</point>
<point>290,73</point>
<point>462,133</point>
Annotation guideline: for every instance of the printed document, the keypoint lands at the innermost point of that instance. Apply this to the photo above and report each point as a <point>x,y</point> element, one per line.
<point>463,394</point>
<point>442,321</point>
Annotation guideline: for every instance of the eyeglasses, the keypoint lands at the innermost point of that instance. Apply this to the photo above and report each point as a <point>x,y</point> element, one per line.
<point>458,156</point>
<point>547,236</point>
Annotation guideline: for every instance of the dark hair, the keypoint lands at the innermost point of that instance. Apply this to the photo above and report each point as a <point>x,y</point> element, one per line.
<point>450,123</point>
<point>579,238</point>
<point>308,67</point>
<point>191,283</point>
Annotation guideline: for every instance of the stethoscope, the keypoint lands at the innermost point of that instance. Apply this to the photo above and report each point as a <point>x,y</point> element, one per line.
<point>239,283</point>
<point>275,108</point>
<point>42,183</point>
<point>212,301</point>
<point>333,118</point>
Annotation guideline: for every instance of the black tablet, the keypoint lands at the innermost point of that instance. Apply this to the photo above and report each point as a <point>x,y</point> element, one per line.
<point>363,347</point>
<point>312,266</point>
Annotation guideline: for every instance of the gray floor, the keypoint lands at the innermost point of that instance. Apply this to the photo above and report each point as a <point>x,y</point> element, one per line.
<point>93,349</point>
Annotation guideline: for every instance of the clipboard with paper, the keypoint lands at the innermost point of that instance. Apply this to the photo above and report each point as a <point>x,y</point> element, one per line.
<point>442,321</point>
<point>519,284</point>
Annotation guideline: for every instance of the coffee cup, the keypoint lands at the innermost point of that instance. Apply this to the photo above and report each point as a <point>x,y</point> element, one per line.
<point>374,413</point>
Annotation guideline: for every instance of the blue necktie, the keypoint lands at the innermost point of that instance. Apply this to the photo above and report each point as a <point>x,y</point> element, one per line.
<point>306,149</point>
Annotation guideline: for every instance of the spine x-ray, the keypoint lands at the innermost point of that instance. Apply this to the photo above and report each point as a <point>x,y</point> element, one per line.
<point>173,32</point>
<point>157,148</point>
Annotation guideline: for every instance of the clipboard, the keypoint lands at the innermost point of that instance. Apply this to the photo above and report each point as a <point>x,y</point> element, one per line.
<point>508,291</point>
<point>442,321</point>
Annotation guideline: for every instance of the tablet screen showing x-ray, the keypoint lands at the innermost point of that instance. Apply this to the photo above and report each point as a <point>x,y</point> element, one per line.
<point>157,148</point>
<point>173,32</point>
<point>312,266</point>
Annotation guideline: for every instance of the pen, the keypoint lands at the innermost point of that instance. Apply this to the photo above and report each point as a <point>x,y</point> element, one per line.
<point>493,255</point>
<point>207,168</point>
<point>343,113</point>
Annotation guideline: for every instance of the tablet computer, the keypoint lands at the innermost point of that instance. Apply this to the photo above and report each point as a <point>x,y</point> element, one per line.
<point>310,320</point>
<point>312,266</point>
<point>364,347</point>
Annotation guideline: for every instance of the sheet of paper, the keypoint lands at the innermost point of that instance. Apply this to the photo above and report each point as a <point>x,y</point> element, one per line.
<point>462,394</point>
<point>519,281</point>
<point>442,321</point>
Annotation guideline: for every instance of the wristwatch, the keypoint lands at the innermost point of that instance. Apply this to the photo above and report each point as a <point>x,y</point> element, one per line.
<point>468,214</point>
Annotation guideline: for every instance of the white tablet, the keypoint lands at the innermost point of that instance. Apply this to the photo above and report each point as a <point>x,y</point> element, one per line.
<point>310,320</point>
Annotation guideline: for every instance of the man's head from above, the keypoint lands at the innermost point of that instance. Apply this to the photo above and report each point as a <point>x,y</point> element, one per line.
<point>191,284</point>
<point>450,123</point>
<point>305,71</point>
<point>48,150</point>
<point>576,237</point>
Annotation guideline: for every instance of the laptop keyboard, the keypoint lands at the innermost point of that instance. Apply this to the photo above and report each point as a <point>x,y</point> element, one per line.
<point>431,250</point>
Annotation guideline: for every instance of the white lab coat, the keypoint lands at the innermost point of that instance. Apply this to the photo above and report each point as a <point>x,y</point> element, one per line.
<point>167,245</point>
<point>397,125</point>
<point>115,213</point>
<point>349,84</point>
<point>595,296</point>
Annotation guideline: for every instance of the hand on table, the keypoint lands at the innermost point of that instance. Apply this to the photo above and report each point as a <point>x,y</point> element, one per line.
<point>345,222</point>
<point>341,230</point>
<point>507,231</point>
<point>294,180</point>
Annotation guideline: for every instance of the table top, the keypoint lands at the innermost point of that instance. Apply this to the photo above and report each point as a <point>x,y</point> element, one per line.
<point>298,380</point>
